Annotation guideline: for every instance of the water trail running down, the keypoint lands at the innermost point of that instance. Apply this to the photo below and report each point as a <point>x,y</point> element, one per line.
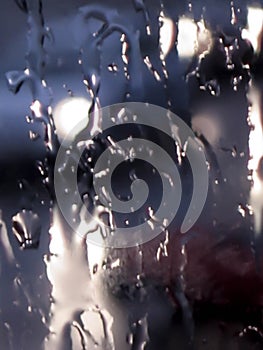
<point>34,72</point>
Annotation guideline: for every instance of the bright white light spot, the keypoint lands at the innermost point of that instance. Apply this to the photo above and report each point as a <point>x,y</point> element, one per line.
<point>36,108</point>
<point>56,245</point>
<point>187,37</point>
<point>167,34</point>
<point>256,153</point>
<point>71,116</point>
<point>254,27</point>
<point>93,79</point>
<point>68,273</point>
<point>204,38</point>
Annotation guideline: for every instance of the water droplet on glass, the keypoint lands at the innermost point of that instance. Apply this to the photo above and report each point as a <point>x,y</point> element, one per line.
<point>27,228</point>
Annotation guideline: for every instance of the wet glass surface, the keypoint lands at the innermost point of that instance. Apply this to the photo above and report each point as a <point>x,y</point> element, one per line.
<point>61,62</point>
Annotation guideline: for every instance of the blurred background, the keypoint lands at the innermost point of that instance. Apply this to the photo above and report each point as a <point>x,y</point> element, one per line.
<point>62,59</point>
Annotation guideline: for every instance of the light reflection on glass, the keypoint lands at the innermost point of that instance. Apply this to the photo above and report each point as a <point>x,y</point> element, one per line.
<point>70,113</point>
<point>254,27</point>
<point>167,34</point>
<point>256,153</point>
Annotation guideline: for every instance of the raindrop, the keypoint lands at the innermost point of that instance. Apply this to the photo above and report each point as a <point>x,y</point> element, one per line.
<point>140,6</point>
<point>33,135</point>
<point>241,210</point>
<point>151,68</point>
<point>27,228</point>
<point>113,68</point>
<point>140,336</point>
<point>213,87</point>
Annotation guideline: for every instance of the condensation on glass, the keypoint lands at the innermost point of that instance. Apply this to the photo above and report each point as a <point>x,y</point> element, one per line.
<point>61,62</point>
